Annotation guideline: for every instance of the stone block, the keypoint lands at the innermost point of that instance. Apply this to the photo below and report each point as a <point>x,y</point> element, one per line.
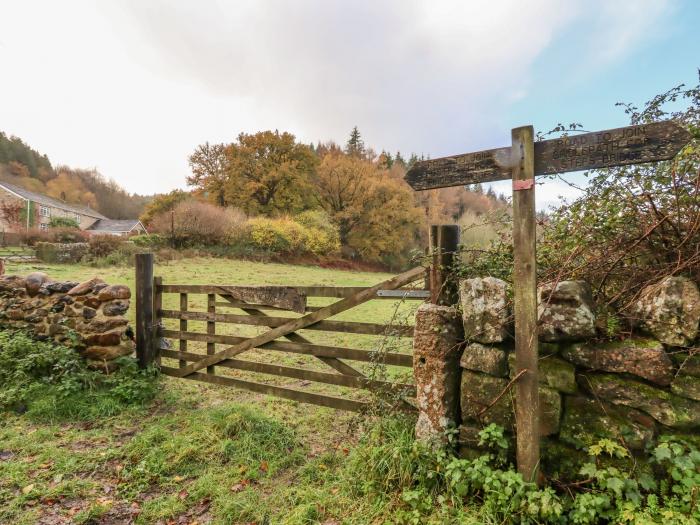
<point>85,287</point>
<point>436,351</point>
<point>484,309</point>
<point>645,358</point>
<point>670,311</point>
<point>565,311</point>
<point>665,407</point>
<point>586,421</point>
<point>553,372</point>
<point>115,291</point>
<point>34,281</point>
<point>116,307</point>
<point>478,391</point>
<point>488,359</point>
<point>686,386</point>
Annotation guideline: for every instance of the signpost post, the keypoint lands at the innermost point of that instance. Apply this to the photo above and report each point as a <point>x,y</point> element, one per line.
<point>522,162</point>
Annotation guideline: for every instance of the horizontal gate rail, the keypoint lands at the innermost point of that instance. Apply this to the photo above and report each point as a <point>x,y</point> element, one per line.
<point>297,373</point>
<point>338,292</point>
<point>241,304</point>
<point>273,322</point>
<point>272,390</point>
<point>353,354</point>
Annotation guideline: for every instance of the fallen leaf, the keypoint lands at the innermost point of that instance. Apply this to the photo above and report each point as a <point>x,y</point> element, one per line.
<point>28,488</point>
<point>264,466</point>
<point>183,494</point>
<point>46,465</point>
<point>178,478</point>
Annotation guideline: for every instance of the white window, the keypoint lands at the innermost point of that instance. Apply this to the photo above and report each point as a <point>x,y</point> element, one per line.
<point>45,211</point>
<point>43,226</point>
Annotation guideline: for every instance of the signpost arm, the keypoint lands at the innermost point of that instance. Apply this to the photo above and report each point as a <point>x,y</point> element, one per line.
<point>525,295</point>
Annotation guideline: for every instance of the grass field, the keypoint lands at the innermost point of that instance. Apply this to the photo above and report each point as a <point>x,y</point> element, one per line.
<point>199,453</point>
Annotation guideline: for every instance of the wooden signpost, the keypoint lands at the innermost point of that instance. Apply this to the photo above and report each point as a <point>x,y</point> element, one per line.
<point>522,161</point>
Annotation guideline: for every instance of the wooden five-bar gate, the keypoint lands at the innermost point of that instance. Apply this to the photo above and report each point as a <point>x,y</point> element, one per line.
<point>199,344</point>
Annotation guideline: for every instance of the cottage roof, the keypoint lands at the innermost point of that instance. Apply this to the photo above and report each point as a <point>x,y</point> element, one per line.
<point>115,226</point>
<point>50,201</point>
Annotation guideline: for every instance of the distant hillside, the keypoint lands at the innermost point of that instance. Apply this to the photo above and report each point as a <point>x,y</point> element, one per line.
<point>26,167</point>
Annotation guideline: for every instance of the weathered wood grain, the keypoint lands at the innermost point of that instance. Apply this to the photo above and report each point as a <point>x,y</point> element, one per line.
<point>353,354</point>
<point>307,320</point>
<point>328,326</point>
<point>525,305</point>
<point>613,147</point>
<point>299,373</point>
<point>339,292</point>
<point>145,327</point>
<point>272,390</point>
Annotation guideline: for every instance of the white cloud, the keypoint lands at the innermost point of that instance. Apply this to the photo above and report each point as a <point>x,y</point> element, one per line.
<point>132,87</point>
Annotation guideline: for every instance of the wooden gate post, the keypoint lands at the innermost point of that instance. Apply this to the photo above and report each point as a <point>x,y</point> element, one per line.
<point>145,330</point>
<point>444,241</point>
<point>525,296</point>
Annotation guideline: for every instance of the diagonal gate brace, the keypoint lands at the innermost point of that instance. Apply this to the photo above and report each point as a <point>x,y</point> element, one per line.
<point>307,320</point>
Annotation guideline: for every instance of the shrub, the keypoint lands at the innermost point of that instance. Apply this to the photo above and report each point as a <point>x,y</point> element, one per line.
<point>324,237</point>
<point>152,240</point>
<point>52,382</point>
<point>67,235</point>
<point>63,222</point>
<point>195,223</point>
<point>273,235</point>
<point>103,245</point>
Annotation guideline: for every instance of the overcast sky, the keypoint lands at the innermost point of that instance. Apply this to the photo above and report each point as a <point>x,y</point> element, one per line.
<point>131,87</point>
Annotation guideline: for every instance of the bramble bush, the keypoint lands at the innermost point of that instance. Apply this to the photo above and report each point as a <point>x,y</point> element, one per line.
<point>52,382</point>
<point>632,225</point>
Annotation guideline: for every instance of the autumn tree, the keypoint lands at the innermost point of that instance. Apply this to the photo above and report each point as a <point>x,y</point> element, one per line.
<point>374,212</point>
<point>13,212</point>
<point>210,171</point>
<point>69,187</point>
<point>163,203</point>
<point>265,173</point>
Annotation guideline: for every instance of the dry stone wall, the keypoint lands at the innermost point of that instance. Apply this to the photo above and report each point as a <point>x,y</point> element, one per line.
<point>629,390</point>
<point>89,316</point>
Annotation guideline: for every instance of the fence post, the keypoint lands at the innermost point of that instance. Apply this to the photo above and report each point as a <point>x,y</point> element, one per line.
<point>444,240</point>
<point>525,303</point>
<point>145,333</point>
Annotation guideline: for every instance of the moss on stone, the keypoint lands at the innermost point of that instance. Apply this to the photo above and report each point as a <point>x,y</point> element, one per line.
<point>553,372</point>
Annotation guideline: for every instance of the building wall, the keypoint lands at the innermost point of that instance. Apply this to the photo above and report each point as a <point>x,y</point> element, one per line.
<point>42,214</point>
<point>45,213</point>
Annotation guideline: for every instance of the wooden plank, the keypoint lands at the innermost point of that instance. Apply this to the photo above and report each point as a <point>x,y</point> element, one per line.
<point>328,326</point>
<point>299,373</point>
<point>157,307</point>
<point>308,319</point>
<point>183,327</point>
<point>458,170</point>
<point>338,292</point>
<point>285,297</point>
<point>145,340</point>
<point>261,307</point>
<point>272,390</point>
<point>403,294</point>
<point>613,147</point>
<point>211,329</point>
<point>353,354</point>
<point>525,303</point>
